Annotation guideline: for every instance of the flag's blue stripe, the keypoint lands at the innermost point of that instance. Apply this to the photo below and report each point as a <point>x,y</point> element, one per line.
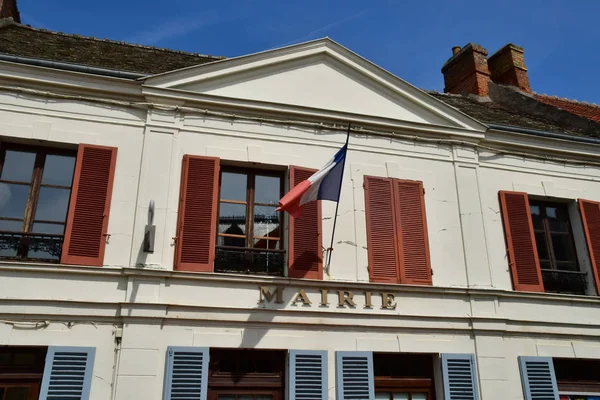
<point>330,185</point>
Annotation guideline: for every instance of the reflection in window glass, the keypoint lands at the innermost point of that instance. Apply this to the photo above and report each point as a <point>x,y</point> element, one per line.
<point>13,200</point>
<point>18,166</point>
<point>58,170</point>
<point>400,396</point>
<point>266,221</point>
<point>52,204</point>
<point>233,186</point>
<point>267,189</point>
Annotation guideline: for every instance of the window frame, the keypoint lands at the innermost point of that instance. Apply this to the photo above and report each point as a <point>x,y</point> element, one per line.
<point>548,234</point>
<point>250,203</point>
<point>35,185</point>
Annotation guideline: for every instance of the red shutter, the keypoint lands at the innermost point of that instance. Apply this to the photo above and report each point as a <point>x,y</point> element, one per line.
<point>381,235</point>
<point>590,216</point>
<point>305,258</point>
<point>87,220</point>
<point>415,266</point>
<point>520,240</point>
<point>197,217</point>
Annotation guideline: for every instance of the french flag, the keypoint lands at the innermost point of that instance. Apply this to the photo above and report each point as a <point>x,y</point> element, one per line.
<point>325,184</point>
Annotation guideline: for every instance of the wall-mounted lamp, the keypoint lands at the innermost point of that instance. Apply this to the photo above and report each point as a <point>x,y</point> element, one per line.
<point>150,230</point>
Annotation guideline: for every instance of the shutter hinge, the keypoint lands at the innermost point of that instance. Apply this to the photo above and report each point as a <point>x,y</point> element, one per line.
<point>107,237</point>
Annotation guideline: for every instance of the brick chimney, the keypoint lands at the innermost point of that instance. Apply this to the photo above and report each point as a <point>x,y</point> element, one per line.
<point>467,70</point>
<point>8,9</point>
<point>507,66</point>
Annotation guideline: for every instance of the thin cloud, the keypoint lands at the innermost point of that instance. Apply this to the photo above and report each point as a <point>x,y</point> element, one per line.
<point>311,34</point>
<point>172,28</point>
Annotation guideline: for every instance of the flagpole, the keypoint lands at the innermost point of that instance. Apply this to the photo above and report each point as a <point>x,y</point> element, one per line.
<point>337,206</point>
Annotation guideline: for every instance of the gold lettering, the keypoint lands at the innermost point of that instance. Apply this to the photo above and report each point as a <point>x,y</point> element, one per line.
<point>324,301</point>
<point>265,294</point>
<point>301,296</point>
<point>345,296</point>
<point>388,301</point>
<point>368,303</point>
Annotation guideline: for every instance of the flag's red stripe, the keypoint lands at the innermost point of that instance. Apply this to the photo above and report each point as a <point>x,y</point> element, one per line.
<point>291,201</point>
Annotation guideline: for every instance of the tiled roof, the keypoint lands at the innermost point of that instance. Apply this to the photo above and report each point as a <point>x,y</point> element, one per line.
<point>25,41</point>
<point>586,110</point>
<point>494,113</point>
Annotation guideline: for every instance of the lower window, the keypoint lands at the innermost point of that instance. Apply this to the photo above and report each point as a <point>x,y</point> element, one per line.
<point>21,370</point>
<point>403,376</point>
<point>240,374</point>
<point>577,379</point>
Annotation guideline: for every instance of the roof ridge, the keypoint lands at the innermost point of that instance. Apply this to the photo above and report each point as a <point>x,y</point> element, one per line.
<point>585,103</point>
<point>9,21</point>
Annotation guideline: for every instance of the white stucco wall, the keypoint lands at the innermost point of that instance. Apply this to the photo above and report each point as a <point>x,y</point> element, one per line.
<point>471,307</point>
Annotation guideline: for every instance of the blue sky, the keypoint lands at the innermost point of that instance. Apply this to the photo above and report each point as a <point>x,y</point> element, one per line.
<point>411,39</point>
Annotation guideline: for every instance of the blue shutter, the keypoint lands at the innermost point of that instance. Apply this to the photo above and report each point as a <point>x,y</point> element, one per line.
<point>459,374</point>
<point>354,375</point>
<point>68,373</point>
<point>186,373</point>
<point>537,376</point>
<point>307,375</point>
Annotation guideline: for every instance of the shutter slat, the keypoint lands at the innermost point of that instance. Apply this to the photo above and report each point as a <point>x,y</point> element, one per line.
<point>415,266</point>
<point>354,375</point>
<point>87,219</point>
<point>460,377</point>
<point>590,218</point>
<point>307,375</point>
<point>381,234</point>
<point>305,258</point>
<point>520,241</point>
<point>538,379</point>
<point>197,218</point>
<point>186,373</point>
<point>68,373</point>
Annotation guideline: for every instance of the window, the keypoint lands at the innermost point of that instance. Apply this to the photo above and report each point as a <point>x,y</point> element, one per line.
<point>556,248</point>
<point>21,370</point>
<point>403,376</point>
<point>35,187</point>
<point>249,234</point>
<point>577,376</point>
<point>237,374</point>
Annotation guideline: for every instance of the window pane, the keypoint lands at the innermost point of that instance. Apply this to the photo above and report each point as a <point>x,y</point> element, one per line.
<point>13,226</point>
<point>567,266</point>
<point>264,397</point>
<point>383,396</point>
<point>232,221</point>
<point>39,227</point>
<point>419,396</point>
<point>558,219</point>
<point>246,397</point>
<point>542,248</point>
<point>226,397</point>
<point>267,189</point>
<point>18,166</point>
<point>52,204</point>
<point>400,396</point>
<point>563,247</point>
<point>536,217</point>
<point>233,186</point>
<point>13,200</point>
<point>266,244</point>
<point>545,265</point>
<point>58,170</point>
<point>266,221</point>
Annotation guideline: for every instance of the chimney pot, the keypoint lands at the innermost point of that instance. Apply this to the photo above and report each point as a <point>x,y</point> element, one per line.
<point>8,9</point>
<point>507,67</point>
<point>467,70</point>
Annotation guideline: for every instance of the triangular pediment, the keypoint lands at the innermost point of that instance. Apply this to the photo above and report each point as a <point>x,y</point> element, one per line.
<point>318,75</point>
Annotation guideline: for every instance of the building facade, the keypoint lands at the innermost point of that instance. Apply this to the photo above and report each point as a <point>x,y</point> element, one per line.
<point>143,257</point>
